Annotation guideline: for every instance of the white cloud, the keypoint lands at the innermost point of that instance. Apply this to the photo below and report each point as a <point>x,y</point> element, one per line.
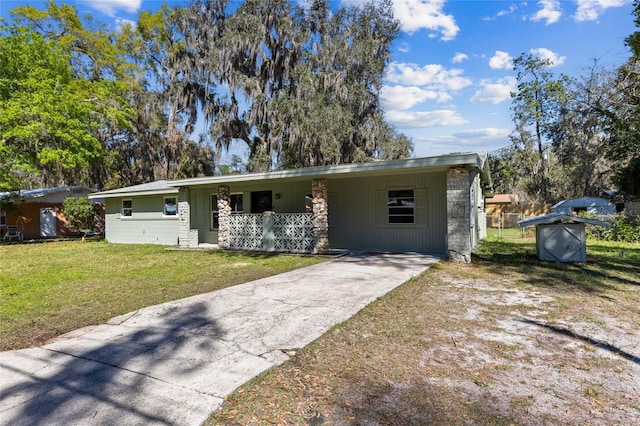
<point>404,97</point>
<point>421,119</point>
<point>489,139</point>
<point>459,57</point>
<point>501,60</point>
<point>120,23</point>
<point>495,92</point>
<point>425,14</point>
<point>512,8</point>
<point>550,12</point>
<point>590,10</point>
<point>109,7</point>
<point>553,57</point>
<point>433,76</point>
<point>488,133</point>
<point>404,47</point>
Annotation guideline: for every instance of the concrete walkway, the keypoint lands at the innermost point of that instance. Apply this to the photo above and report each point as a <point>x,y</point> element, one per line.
<point>174,363</point>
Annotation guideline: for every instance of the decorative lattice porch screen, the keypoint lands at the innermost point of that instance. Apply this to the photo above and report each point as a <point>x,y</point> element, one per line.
<point>282,232</point>
<point>293,232</point>
<point>245,231</point>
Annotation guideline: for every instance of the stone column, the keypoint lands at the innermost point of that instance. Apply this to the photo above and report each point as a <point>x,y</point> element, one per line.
<point>458,215</point>
<point>187,237</point>
<point>224,212</point>
<point>320,216</point>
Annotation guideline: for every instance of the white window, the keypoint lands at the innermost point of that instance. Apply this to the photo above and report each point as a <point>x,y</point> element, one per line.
<point>236,207</point>
<point>127,208</point>
<point>170,206</point>
<point>401,206</point>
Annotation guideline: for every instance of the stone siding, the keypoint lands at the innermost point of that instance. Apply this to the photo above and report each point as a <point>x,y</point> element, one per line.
<point>320,216</point>
<point>224,212</point>
<point>458,215</point>
<point>185,233</point>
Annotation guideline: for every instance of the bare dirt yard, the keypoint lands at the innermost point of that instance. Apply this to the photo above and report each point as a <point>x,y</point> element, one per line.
<point>506,340</point>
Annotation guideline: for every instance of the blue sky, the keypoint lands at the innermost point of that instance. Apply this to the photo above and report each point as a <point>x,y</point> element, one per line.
<point>451,73</point>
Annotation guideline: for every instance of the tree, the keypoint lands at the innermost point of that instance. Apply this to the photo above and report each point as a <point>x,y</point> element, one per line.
<point>622,112</point>
<point>535,104</point>
<point>302,83</point>
<point>80,215</point>
<point>577,134</point>
<point>98,77</point>
<point>168,74</point>
<point>46,125</point>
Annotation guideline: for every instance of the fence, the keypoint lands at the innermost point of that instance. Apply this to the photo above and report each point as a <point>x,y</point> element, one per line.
<point>281,232</point>
<point>506,224</point>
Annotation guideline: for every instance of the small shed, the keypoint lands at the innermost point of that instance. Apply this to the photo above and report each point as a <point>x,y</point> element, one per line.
<point>561,237</point>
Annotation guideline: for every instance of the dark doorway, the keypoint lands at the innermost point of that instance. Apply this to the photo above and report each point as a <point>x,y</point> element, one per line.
<point>261,201</point>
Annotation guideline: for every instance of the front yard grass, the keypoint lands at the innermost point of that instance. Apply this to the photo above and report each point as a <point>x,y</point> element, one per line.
<point>506,340</point>
<point>52,288</point>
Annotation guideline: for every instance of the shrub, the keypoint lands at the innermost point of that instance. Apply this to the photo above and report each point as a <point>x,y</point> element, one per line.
<point>625,227</point>
<point>80,214</point>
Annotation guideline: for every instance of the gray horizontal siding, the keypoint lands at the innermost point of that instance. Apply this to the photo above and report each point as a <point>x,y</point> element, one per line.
<point>147,225</point>
<point>357,211</point>
<point>358,216</point>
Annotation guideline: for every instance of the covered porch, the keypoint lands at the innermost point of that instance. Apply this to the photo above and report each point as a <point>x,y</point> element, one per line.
<point>268,231</point>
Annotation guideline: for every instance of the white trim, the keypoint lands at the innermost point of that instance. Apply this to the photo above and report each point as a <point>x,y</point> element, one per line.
<point>413,208</point>
<point>371,168</point>
<point>127,194</point>
<point>164,207</point>
<point>123,208</point>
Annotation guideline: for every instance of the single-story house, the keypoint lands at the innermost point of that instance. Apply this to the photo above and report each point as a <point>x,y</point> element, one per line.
<point>433,205</point>
<point>590,205</point>
<point>38,213</point>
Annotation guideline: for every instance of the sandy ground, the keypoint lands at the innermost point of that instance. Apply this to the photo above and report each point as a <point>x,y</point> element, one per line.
<point>465,346</point>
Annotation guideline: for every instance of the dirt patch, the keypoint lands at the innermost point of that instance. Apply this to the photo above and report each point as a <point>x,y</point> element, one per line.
<point>465,345</point>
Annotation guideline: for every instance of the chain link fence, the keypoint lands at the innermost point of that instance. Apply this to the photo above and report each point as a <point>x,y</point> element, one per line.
<point>505,225</point>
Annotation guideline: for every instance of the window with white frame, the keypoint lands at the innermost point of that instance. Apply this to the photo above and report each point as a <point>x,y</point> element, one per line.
<point>401,206</point>
<point>127,208</point>
<point>170,206</point>
<point>236,207</point>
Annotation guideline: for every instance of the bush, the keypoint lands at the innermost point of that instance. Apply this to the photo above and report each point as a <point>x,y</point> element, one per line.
<point>80,214</point>
<point>625,227</point>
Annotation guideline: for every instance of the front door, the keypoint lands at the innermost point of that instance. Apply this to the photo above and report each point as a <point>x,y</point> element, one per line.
<point>261,202</point>
<point>48,222</point>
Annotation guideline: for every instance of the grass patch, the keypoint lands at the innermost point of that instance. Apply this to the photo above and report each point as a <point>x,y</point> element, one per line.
<point>50,289</point>
<point>505,340</point>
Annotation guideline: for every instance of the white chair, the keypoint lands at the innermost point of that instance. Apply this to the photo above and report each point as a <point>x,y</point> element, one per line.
<point>12,232</point>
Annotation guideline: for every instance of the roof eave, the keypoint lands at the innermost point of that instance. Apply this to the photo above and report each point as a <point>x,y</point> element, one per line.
<point>340,170</point>
<point>123,194</point>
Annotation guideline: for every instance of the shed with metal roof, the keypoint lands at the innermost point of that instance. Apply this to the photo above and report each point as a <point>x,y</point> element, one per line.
<point>561,237</point>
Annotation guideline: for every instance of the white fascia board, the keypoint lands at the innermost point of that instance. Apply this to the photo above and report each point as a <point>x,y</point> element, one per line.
<point>341,170</point>
<point>124,194</point>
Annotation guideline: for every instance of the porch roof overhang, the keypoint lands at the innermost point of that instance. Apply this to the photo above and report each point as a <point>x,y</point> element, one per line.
<point>160,187</point>
<point>474,160</point>
<point>24,195</point>
<point>373,168</point>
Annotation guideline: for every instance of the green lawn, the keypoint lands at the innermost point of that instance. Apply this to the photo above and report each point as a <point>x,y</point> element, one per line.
<point>51,288</point>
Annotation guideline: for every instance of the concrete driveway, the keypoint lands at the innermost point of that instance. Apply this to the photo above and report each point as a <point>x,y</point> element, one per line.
<point>175,363</point>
